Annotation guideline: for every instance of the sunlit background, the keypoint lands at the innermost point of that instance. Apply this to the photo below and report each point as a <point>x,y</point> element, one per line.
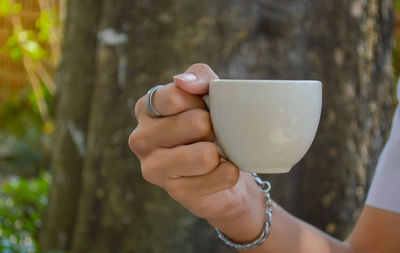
<point>30,40</point>
<point>29,54</point>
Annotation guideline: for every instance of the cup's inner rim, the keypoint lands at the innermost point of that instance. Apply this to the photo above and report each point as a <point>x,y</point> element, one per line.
<point>260,81</point>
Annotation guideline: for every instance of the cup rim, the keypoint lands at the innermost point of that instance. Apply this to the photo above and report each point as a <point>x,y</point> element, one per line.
<point>260,81</point>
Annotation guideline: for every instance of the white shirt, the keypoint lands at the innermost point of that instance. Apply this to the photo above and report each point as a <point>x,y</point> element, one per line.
<point>384,192</point>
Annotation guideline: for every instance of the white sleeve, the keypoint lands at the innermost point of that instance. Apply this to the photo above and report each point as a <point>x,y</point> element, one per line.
<point>384,192</point>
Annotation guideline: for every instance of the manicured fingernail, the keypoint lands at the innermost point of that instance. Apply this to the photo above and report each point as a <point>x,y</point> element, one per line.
<point>186,77</point>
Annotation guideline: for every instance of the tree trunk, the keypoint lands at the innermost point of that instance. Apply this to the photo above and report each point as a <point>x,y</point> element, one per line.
<point>354,60</point>
<point>143,43</point>
<point>75,87</point>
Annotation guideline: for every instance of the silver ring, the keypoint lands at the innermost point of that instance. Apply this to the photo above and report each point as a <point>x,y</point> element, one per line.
<point>149,104</point>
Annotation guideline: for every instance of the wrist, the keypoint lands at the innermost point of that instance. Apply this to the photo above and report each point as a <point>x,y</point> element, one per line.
<point>248,221</point>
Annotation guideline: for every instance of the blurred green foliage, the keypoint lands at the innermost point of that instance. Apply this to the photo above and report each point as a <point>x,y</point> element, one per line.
<point>26,117</point>
<point>24,42</point>
<point>37,49</point>
<point>24,138</point>
<point>7,7</point>
<point>27,41</point>
<point>45,22</point>
<point>21,204</point>
<point>26,124</point>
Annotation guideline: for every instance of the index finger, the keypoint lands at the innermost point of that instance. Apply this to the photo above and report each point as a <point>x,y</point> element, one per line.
<point>183,94</point>
<point>169,100</point>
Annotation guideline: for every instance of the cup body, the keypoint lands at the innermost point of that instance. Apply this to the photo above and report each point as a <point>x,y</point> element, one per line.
<point>265,126</point>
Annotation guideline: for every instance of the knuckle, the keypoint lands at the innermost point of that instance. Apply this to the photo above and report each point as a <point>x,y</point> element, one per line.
<point>148,171</point>
<point>139,106</point>
<point>146,175</point>
<point>201,122</point>
<point>175,98</point>
<point>137,141</point>
<point>210,155</point>
<point>133,140</point>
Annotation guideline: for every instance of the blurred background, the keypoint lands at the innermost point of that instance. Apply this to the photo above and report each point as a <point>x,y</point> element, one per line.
<point>71,72</point>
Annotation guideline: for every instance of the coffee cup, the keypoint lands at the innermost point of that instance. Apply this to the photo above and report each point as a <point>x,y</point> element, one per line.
<point>264,126</point>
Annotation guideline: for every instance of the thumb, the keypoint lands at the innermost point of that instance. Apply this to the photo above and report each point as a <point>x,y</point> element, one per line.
<point>195,79</point>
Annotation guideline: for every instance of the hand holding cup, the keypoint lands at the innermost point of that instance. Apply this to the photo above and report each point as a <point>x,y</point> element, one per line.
<point>177,152</point>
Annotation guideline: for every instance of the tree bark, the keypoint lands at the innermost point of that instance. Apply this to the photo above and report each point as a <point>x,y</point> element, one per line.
<point>354,61</point>
<point>75,87</point>
<point>346,44</point>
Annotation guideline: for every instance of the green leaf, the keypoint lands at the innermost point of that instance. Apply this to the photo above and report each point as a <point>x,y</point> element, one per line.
<point>17,8</point>
<point>44,23</point>
<point>12,41</point>
<point>5,8</point>
<point>15,54</point>
<point>12,46</point>
<point>34,50</point>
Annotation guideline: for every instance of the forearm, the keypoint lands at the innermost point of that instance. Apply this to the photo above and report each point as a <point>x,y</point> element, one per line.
<point>288,234</point>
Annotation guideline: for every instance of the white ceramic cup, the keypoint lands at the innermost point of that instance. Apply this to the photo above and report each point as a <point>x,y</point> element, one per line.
<point>265,126</point>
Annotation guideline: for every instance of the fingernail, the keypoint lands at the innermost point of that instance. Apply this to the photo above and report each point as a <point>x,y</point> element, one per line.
<point>186,77</point>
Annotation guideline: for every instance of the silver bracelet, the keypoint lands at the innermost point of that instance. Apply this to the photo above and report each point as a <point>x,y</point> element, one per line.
<point>265,187</point>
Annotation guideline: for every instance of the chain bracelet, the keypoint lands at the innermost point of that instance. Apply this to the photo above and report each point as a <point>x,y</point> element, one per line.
<point>265,187</point>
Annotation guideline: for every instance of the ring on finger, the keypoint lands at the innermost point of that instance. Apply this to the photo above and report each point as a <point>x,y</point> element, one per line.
<point>149,104</point>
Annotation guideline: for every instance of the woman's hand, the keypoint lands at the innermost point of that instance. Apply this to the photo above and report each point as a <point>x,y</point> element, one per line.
<point>177,153</point>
